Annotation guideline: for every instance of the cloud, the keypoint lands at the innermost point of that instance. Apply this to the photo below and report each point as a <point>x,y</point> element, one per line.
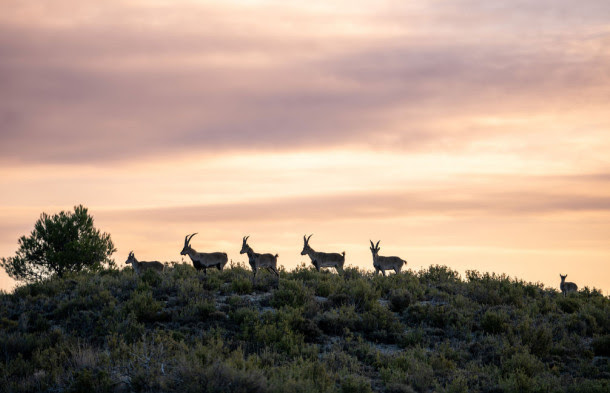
<point>374,206</point>
<point>119,82</point>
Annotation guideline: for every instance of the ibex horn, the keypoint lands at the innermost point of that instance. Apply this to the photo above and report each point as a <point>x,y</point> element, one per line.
<point>188,238</point>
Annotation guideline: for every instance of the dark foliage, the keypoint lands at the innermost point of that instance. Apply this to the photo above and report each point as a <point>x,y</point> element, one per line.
<point>178,331</point>
<point>60,244</point>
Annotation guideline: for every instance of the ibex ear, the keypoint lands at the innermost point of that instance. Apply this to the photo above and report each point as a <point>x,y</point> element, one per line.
<point>377,245</point>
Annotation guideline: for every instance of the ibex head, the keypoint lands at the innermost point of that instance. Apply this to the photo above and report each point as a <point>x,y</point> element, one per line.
<point>244,245</point>
<point>130,258</point>
<point>306,248</point>
<point>187,246</point>
<point>375,248</point>
<point>562,277</point>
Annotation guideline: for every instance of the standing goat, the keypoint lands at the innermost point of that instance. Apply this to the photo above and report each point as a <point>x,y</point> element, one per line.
<point>385,263</point>
<point>567,286</point>
<point>323,259</point>
<point>141,267</point>
<point>204,260</point>
<point>268,261</point>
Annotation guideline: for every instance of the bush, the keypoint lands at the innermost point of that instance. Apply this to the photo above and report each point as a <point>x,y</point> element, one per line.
<point>242,286</point>
<point>494,322</point>
<point>568,304</point>
<point>291,294</point>
<point>522,362</point>
<point>601,345</point>
<point>402,333</point>
<point>91,381</point>
<point>400,299</point>
<point>540,340</point>
<point>355,384</point>
<point>602,386</point>
<point>336,321</point>
<point>143,306</point>
<point>361,293</point>
<point>152,278</point>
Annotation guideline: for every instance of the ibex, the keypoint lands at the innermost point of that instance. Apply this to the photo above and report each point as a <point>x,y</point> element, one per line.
<point>268,261</point>
<point>203,260</point>
<point>141,267</point>
<point>323,259</point>
<point>385,263</point>
<point>567,286</point>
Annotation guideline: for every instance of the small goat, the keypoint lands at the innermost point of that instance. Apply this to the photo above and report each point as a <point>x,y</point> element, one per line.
<point>567,286</point>
<point>323,259</point>
<point>141,267</point>
<point>385,263</point>
<point>203,260</point>
<point>257,261</point>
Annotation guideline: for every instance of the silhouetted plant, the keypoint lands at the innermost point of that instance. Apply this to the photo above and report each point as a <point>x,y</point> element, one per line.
<point>61,243</point>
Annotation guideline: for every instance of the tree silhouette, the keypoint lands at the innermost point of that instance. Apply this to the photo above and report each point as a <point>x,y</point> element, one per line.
<point>62,243</point>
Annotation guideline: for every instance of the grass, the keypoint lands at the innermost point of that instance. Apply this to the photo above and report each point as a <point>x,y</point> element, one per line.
<point>426,331</point>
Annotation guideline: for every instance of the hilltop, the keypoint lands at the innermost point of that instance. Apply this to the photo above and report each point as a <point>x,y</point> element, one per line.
<point>308,332</point>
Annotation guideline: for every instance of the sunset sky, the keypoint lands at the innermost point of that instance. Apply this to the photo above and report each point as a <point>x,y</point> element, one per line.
<point>469,133</point>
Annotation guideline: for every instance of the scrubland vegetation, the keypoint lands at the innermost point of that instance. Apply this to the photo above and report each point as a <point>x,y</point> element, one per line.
<point>309,331</point>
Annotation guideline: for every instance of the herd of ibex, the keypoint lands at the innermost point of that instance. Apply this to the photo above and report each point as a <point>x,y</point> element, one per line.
<point>205,260</point>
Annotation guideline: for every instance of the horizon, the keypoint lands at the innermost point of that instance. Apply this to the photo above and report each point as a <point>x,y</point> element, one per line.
<point>465,134</point>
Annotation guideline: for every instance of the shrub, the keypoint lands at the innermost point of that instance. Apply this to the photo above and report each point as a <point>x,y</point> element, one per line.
<point>541,341</point>
<point>244,316</point>
<point>152,278</point>
<point>395,387</point>
<point>222,378</point>
<point>198,310</point>
<point>585,386</point>
<point>242,286</point>
<point>291,294</point>
<point>361,293</point>
<point>522,362</point>
<point>568,304</point>
<point>494,322</point>
<point>355,384</point>
<point>143,306</point>
<point>400,333</point>
<point>439,274</point>
<point>601,345</point>
<point>400,299</point>
<point>380,324</point>
<point>339,299</point>
<point>324,288</point>
<point>336,321</point>
<point>304,326</point>
<point>93,381</point>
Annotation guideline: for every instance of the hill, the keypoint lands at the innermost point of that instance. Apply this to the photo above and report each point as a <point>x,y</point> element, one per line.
<point>308,332</point>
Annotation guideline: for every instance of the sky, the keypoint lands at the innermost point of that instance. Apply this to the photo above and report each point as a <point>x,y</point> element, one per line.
<point>466,133</point>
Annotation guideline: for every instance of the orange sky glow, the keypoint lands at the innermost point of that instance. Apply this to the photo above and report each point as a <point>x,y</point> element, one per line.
<point>464,133</point>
